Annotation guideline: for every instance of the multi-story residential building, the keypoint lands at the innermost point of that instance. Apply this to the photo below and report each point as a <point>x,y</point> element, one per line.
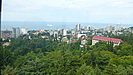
<point>78,27</point>
<point>24,30</point>
<point>55,33</point>
<point>6,33</point>
<point>109,28</point>
<point>101,29</point>
<point>89,28</point>
<point>64,32</point>
<point>16,32</point>
<point>118,27</point>
<point>51,32</point>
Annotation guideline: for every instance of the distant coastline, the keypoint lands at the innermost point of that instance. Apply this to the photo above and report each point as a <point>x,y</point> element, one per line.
<point>55,25</point>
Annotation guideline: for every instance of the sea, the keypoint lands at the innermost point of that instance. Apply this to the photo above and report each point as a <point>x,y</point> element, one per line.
<point>8,25</point>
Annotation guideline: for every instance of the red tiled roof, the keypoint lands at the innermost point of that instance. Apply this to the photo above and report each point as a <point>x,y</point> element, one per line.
<point>73,41</point>
<point>100,38</point>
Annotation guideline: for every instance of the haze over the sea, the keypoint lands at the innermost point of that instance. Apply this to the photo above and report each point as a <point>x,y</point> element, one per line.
<point>54,25</point>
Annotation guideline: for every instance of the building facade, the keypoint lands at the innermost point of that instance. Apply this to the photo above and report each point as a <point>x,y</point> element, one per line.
<point>24,30</point>
<point>109,28</point>
<point>6,33</point>
<point>78,27</point>
<point>118,27</point>
<point>96,39</point>
<point>89,28</point>
<point>16,32</point>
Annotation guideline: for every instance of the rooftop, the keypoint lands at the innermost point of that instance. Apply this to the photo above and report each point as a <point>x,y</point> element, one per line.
<point>107,39</point>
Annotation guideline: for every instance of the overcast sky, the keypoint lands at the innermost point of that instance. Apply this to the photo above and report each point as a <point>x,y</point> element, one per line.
<point>99,11</point>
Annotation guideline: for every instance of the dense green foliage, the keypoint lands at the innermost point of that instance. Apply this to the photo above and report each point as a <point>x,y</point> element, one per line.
<point>39,56</point>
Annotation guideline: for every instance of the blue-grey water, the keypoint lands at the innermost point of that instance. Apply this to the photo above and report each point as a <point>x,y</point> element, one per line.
<point>56,25</point>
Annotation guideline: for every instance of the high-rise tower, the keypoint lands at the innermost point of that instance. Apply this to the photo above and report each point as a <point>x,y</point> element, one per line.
<point>118,27</point>
<point>78,27</point>
<point>16,32</point>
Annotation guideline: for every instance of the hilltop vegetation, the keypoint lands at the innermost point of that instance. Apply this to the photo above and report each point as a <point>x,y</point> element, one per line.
<point>40,56</point>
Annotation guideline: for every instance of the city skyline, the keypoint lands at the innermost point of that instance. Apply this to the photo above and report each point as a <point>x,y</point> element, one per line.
<point>59,25</point>
<point>114,11</point>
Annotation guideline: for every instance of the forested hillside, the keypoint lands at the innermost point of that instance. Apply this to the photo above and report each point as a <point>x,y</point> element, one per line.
<point>40,56</point>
